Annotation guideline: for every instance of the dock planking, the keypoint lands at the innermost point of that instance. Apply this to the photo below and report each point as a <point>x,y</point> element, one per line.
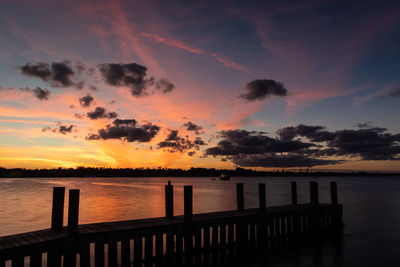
<point>218,233</point>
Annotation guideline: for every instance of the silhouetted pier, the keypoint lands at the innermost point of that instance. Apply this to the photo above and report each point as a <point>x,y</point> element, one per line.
<point>190,239</point>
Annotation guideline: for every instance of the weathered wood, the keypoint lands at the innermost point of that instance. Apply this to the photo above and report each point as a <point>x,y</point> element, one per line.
<point>73,211</point>
<point>261,197</point>
<point>57,213</point>
<point>188,202</point>
<point>314,193</point>
<point>294,192</point>
<point>240,196</point>
<point>333,189</point>
<point>169,200</point>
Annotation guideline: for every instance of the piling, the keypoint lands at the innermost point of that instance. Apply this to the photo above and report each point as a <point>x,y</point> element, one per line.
<point>57,213</point>
<point>73,211</point>
<point>261,197</point>
<point>240,196</point>
<point>169,200</point>
<point>294,193</point>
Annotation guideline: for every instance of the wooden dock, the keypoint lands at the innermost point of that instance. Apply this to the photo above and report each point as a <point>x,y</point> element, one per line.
<point>189,240</point>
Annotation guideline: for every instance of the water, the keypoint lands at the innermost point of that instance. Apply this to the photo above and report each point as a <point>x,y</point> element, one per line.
<point>371,209</point>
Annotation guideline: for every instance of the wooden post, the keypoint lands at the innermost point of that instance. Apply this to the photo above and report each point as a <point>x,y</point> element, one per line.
<point>240,196</point>
<point>73,211</point>
<point>294,193</point>
<point>57,213</point>
<point>188,202</point>
<point>333,187</point>
<point>261,197</point>
<point>169,200</point>
<point>314,193</point>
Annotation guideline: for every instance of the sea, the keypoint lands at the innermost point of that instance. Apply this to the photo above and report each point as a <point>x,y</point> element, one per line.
<point>371,209</point>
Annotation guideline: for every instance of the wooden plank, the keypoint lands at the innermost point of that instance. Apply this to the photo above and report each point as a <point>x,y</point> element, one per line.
<point>137,251</point>
<point>54,256</point>
<point>84,252</point>
<point>125,253</point>
<point>69,252</point>
<point>35,256</point>
<point>112,252</point>
<point>159,246</point>
<point>99,253</point>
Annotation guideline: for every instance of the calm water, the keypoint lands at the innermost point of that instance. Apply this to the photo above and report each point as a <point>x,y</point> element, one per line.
<point>371,209</point>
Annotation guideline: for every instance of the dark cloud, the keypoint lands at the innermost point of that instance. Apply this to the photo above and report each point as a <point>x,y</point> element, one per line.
<point>57,74</point>
<point>314,133</point>
<point>367,143</point>
<point>251,149</point>
<point>61,128</point>
<point>175,143</point>
<point>192,127</point>
<point>237,142</point>
<point>273,160</point>
<point>133,76</point>
<point>395,93</point>
<point>261,89</point>
<point>41,94</point>
<point>85,101</point>
<point>100,113</point>
<point>363,125</point>
<point>93,88</point>
<point>126,130</point>
<point>164,86</point>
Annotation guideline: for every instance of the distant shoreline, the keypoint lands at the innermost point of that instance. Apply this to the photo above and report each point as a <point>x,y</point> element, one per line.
<point>164,172</point>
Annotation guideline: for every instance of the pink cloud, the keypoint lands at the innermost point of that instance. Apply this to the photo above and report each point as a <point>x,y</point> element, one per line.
<point>181,45</point>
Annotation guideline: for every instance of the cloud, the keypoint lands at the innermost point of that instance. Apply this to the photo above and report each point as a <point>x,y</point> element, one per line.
<point>133,76</point>
<point>283,161</point>
<point>57,74</point>
<point>314,133</point>
<point>236,142</point>
<point>192,127</point>
<point>395,93</point>
<point>367,143</point>
<point>255,149</point>
<point>41,94</point>
<point>61,128</point>
<point>363,125</point>
<point>126,130</point>
<point>181,45</point>
<point>100,113</point>
<point>261,89</point>
<point>85,101</point>
<point>175,143</point>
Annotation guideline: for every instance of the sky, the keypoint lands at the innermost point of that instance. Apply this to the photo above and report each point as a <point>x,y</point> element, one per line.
<point>217,84</point>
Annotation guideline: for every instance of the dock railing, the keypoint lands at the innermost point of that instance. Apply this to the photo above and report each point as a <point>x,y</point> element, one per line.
<point>191,239</point>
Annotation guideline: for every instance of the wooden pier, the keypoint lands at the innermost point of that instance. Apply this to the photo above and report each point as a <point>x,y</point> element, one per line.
<point>189,240</point>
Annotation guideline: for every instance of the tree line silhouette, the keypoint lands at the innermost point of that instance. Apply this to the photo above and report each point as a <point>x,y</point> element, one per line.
<point>167,172</point>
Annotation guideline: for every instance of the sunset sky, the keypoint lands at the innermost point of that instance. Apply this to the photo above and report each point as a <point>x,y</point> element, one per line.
<point>216,84</point>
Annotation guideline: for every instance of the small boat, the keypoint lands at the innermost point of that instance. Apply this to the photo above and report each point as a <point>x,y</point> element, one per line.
<point>224,177</point>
